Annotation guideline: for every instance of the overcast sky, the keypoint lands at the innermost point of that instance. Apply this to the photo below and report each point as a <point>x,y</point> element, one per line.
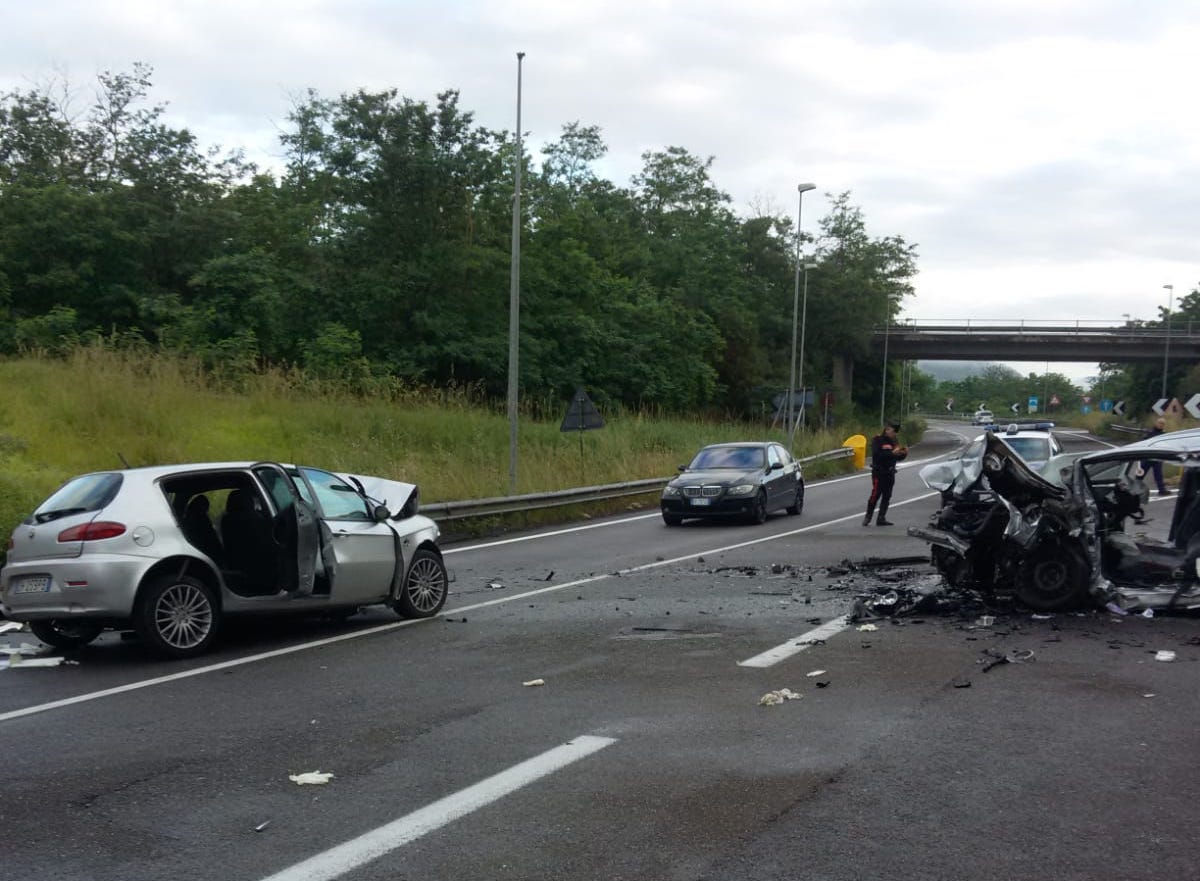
<point>1042,154</point>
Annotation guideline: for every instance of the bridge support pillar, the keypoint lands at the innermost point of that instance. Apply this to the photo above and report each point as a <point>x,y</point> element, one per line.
<point>843,375</point>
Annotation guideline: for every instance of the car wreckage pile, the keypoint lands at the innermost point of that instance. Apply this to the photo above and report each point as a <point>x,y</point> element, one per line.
<point>1058,540</point>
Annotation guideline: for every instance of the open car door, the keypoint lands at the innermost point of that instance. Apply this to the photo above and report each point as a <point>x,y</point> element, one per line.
<point>296,530</point>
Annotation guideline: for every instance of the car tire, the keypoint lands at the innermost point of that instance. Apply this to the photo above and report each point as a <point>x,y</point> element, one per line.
<point>952,566</point>
<point>1052,578</point>
<point>758,514</point>
<point>177,616</point>
<point>798,505</point>
<point>65,634</point>
<point>671,519</point>
<point>425,587</point>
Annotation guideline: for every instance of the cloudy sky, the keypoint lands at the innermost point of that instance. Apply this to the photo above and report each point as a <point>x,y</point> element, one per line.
<point>1042,154</point>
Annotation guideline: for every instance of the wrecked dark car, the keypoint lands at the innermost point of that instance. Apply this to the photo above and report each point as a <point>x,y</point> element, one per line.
<point>1073,535</point>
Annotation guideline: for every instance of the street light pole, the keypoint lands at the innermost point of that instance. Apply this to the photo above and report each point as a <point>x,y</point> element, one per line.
<point>1170,288</point>
<point>803,334</point>
<point>514,300</point>
<point>801,189</point>
<point>887,320</point>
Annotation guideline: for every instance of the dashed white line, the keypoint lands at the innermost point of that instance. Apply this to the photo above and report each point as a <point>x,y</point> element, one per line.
<point>794,646</point>
<point>337,861</point>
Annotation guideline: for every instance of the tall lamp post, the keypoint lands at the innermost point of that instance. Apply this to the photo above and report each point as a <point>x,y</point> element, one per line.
<point>1170,288</point>
<point>801,189</point>
<point>514,301</point>
<point>887,321</point>
<point>803,333</point>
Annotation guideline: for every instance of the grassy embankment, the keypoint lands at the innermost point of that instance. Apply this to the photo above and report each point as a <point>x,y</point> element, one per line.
<point>59,418</point>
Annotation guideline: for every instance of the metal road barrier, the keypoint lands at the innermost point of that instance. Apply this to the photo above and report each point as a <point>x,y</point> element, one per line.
<point>535,501</point>
<point>1126,429</point>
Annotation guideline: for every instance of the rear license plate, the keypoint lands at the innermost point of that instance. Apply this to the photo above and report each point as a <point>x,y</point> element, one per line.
<point>701,501</point>
<point>30,584</point>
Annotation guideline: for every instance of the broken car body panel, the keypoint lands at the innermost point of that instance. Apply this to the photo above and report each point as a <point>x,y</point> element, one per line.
<point>1058,537</point>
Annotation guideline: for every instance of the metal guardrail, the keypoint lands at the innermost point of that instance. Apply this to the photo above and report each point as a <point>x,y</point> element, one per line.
<point>559,498</point>
<point>1126,429</point>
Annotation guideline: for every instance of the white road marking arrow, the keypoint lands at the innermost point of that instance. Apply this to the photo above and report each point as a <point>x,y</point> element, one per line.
<point>1193,406</point>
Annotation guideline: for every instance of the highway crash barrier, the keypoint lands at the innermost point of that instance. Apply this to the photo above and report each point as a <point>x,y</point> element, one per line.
<point>463,510</point>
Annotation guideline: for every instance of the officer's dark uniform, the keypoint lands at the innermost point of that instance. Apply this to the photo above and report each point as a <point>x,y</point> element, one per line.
<point>885,453</point>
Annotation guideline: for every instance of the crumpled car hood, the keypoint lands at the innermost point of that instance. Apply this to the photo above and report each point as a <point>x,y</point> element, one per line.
<point>393,493</point>
<point>1012,478</point>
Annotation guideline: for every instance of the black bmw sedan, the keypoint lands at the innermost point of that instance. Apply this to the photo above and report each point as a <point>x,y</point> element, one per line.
<point>745,480</point>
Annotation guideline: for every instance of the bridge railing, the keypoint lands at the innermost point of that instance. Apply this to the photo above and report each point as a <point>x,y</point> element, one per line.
<point>1133,329</point>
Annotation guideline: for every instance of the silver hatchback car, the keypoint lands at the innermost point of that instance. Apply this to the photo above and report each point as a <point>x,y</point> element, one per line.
<point>169,551</point>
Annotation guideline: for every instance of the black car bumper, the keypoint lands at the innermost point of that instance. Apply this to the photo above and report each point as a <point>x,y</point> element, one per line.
<point>725,507</point>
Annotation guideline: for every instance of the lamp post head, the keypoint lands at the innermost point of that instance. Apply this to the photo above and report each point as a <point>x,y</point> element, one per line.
<point>804,188</point>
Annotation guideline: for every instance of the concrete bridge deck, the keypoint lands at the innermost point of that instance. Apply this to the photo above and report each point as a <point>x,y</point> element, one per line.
<point>973,340</point>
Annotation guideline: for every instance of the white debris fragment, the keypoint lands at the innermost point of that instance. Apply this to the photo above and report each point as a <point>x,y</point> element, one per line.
<point>772,698</point>
<point>986,620</point>
<point>534,682</point>
<point>1164,656</point>
<point>313,777</point>
<point>23,661</point>
<point>867,628</point>
<point>10,626</point>
<point>261,826</point>
<point>1149,613</point>
<point>813,673</point>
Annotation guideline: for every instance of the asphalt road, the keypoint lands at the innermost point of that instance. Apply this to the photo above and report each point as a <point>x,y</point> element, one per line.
<point>646,753</point>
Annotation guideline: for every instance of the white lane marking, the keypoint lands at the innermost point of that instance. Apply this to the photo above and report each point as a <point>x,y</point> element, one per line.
<point>384,628</point>
<point>337,861</point>
<point>797,644</point>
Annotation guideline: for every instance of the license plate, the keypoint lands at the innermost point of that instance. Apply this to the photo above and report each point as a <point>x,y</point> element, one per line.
<point>701,501</point>
<point>30,584</point>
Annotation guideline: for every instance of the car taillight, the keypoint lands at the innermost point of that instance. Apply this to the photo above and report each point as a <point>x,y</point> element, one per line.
<point>92,531</point>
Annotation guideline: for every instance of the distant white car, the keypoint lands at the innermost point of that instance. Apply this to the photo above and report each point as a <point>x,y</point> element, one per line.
<point>983,417</point>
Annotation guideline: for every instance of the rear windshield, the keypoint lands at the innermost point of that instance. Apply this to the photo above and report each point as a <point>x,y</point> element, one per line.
<point>91,492</point>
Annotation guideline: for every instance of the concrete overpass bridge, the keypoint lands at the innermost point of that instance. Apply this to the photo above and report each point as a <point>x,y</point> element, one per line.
<point>999,340</point>
<point>976,339</point>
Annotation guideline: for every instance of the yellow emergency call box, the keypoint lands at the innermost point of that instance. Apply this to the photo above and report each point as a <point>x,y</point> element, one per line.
<point>858,443</point>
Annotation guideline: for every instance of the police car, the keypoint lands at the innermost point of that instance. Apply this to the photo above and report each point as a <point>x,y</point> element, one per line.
<point>1032,441</point>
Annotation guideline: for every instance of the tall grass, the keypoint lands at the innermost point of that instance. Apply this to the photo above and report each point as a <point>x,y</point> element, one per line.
<point>102,406</point>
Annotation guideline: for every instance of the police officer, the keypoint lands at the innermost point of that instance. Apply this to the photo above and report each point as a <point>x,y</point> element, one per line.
<point>886,451</point>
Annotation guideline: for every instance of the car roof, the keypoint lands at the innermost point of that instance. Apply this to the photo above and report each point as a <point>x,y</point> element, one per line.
<point>154,472</point>
<point>737,444</point>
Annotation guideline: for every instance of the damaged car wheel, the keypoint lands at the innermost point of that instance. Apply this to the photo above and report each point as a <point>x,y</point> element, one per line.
<point>65,634</point>
<point>1052,578</point>
<point>951,566</point>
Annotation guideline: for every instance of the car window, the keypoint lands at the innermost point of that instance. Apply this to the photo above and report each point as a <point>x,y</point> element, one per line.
<point>279,487</point>
<point>1035,449</point>
<point>91,492</point>
<point>773,454</point>
<point>338,499</point>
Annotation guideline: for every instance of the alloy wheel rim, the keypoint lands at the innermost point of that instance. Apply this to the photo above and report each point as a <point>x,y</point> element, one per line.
<point>426,584</point>
<point>183,616</point>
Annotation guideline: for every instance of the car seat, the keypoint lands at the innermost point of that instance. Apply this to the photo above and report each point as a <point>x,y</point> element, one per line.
<point>249,547</point>
<point>198,529</point>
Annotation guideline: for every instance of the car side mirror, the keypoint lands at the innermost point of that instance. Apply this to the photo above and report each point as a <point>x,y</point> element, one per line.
<point>774,466</point>
<point>681,469</point>
<point>381,513</point>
